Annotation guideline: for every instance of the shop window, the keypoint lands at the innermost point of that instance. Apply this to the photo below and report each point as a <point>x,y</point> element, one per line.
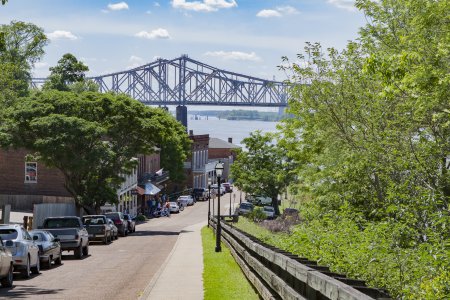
<point>30,172</point>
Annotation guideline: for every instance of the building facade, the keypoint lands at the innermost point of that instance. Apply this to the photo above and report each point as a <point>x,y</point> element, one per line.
<point>25,181</point>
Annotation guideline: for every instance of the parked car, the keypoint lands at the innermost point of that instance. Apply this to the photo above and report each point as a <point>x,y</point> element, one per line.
<point>113,227</point>
<point>97,228</point>
<point>200,194</point>
<point>245,208</point>
<point>131,222</point>
<point>228,187</point>
<point>186,200</point>
<point>269,211</point>
<point>174,208</point>
<point>119,221</point>
<point>49,247</point>
<point>258,199</point>
<point>6,266</point>
<point>71,234</point>
<point>215,188</point>
<point>25,252</point>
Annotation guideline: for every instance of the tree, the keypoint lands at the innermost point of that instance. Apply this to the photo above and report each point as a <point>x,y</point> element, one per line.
<point>371,123</point>
<point>4,2</point>
<point>68,71</point>
<point>263,169</point>
<point>21,45</point>
<point>92,139</point>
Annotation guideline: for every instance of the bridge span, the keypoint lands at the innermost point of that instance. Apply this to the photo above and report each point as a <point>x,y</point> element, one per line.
<point>184,81</point>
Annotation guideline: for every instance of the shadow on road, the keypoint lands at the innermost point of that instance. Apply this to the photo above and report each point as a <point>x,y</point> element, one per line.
<point>150,233</point>
<point>25,292</point>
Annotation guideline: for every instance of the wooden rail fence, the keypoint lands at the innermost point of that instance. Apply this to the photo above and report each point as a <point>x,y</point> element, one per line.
<point>278,274</point>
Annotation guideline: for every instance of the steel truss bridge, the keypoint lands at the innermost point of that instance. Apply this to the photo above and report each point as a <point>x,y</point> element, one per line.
<point>185,81</point>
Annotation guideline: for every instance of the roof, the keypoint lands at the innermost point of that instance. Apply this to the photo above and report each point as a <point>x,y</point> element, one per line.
<point>215,143</point>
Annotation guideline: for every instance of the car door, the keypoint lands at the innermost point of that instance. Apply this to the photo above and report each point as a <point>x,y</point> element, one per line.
<point>33,248</point>
<point>4,263</point>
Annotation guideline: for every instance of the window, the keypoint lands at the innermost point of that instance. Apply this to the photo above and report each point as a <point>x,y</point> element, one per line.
<point>30,172</point>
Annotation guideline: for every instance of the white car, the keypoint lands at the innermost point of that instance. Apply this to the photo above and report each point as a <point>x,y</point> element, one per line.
<point>215,188</point>
<point>188,199</point>
<point>269,211</point>
<point>24,250</point>
<point>174,208</point>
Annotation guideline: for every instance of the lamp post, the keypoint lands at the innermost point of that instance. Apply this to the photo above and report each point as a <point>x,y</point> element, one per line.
<point>219,171</point>
<point>230,203</point>
<point>209,199</point>
<point>234,200</point>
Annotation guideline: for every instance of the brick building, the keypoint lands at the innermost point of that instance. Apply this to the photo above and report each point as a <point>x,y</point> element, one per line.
<point>224,151</point>
<point>24,183</point>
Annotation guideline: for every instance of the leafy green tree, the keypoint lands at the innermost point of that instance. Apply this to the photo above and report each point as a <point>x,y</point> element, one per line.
<point>263,169</point>
<point>92,139</point>
<point>21,45</point>
<point>68,71</point>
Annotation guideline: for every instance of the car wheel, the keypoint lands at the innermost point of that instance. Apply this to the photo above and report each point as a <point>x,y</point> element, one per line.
<point>8,280</point>
<point>49,263</point>
<point>105,240</point>
<point>58,261</point>
<point>79,251</point>
<point>37,268</point>
<point>26,272</point>
<point>86,250</point>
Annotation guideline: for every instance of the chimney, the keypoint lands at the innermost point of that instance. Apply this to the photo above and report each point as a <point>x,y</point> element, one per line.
<point>191,132</point>
<point>230,140</point>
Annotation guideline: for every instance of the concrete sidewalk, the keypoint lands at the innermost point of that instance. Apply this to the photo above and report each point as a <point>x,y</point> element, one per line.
<point>181,275</point>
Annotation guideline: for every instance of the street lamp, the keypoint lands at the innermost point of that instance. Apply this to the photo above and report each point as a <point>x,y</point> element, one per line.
<point>219,171</point>
<point>230,203</point>
<point>209,199</point>
<point>234,199</point>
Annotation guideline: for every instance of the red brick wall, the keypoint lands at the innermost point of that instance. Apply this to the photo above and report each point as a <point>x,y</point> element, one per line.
<point>149,164</point>
<point>50,182</point>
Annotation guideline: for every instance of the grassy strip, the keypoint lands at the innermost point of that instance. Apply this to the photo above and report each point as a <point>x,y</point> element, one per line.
<point>222,277</point>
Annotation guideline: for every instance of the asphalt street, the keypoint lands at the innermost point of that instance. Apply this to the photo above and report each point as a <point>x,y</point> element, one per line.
<point>120,270</point>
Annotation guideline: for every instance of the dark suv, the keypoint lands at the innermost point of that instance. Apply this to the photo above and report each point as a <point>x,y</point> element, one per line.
<point>119,221</point>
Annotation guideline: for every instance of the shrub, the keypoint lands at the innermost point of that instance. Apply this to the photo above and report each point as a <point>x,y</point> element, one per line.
<point>257,215</point>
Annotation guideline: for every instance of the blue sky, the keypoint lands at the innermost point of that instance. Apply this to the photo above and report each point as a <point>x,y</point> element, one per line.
<point>244,36</point>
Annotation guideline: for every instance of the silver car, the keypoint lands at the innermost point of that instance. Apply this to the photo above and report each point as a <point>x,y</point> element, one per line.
<point>24,250</point>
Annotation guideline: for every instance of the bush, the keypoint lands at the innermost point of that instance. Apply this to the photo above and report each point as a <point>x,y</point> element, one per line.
<point>257,215</point>
<point>141,218</point>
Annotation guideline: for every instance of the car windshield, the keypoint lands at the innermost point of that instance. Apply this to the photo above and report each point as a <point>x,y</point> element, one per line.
<point>93,221</point>
<point>8,234</point>
<point>246,205</point>
<point>268,209</point>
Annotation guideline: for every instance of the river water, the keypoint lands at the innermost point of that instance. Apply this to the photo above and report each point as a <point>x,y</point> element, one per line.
<point>224,129</point>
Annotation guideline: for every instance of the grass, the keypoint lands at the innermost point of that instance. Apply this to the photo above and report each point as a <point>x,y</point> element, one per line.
<point>222,276</point>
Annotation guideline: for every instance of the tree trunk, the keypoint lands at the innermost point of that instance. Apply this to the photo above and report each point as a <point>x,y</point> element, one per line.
<point>275,205</point>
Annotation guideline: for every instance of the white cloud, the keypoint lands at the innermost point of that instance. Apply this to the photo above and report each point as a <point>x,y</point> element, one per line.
<point>135,61</point>
<point>118,6</point>
<point>61,35</point>
<point>234,55</point>
<point>205,5</point>
<point>278,12</point>
<point>287,10</point>
<point>156,4</point>
<point>268,13</point>
<point>159,33</point>
<point>344,4</point>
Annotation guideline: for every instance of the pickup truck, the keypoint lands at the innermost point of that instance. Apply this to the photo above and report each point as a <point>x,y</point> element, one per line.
<point>98,228</point>
<point>71,234</point>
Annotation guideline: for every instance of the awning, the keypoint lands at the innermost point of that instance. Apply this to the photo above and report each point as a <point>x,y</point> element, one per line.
<point>151,189</point>
<point>140,191</point>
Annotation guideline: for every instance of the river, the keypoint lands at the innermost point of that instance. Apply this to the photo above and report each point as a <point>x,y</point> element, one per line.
<point>224,129</point>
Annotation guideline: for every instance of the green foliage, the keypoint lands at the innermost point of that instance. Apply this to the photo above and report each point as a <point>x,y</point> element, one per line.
<point>263,169</point>
<point>91,138</point>
<point>67,72</point>
<point>222,277</point>
<point>21,45</point>
<point>370,134</point>
<point>257,215</point>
